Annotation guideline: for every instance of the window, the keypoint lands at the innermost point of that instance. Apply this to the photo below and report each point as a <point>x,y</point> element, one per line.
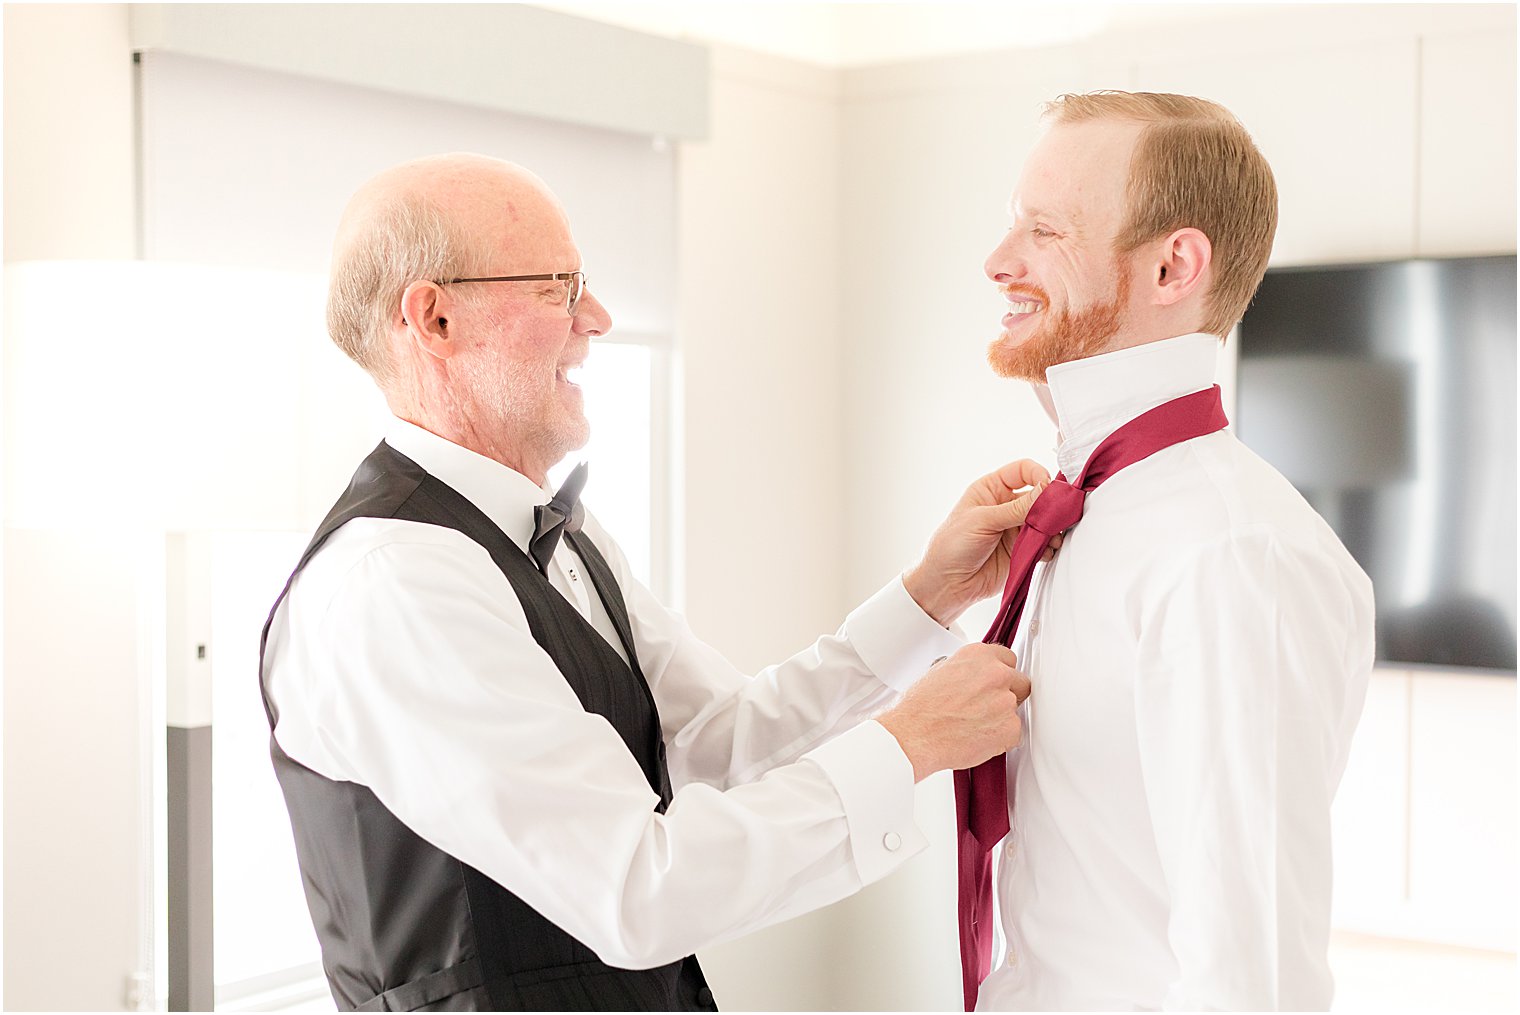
<point>618,384</point>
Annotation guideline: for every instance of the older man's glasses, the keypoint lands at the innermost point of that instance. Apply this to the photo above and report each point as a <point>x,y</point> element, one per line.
<point>573,291</point>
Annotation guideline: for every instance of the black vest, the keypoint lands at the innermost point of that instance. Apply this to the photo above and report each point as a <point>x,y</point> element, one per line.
<point>405,926</point>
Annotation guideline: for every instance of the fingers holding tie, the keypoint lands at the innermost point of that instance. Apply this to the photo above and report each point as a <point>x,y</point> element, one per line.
<point>1017,480</point>
<point>968,556</point>
<point>963,711</point>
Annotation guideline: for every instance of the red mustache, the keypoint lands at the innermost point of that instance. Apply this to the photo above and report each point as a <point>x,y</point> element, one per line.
<point>1025,293</point>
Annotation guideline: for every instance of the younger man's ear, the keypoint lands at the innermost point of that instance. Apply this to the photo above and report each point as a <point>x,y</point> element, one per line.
<point>1181,264</point>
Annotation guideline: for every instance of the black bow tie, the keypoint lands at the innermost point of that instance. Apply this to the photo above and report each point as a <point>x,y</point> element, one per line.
<point>562,514</point>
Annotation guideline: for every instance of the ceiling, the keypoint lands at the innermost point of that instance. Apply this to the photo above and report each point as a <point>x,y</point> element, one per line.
<point>860,34</point>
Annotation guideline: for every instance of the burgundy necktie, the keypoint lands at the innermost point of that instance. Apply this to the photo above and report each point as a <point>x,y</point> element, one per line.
<point>981,793</point>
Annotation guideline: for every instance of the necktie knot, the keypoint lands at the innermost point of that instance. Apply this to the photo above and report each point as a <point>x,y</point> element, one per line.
<point>1057,508</point>
<point>564,513</point>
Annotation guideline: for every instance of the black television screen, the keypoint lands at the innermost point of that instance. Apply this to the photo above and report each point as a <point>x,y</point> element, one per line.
<point>1386,394</point>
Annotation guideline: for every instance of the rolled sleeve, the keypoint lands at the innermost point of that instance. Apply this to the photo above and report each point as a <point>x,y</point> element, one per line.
<point>896,639</point>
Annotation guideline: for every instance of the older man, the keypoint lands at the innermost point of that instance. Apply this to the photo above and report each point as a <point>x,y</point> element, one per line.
<point>1202,643</point>
<point>516,780</point>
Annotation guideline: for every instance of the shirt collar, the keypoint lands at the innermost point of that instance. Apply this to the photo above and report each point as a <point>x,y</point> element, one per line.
<point>505,495</point>
<point>1091,398</point>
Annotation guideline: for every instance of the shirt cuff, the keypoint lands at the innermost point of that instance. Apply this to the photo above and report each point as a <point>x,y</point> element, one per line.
<point>896,638</point>
<point>874,780</point>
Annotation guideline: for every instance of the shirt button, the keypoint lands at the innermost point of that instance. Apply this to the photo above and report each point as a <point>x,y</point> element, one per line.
<point>1034,627</point>
<point>892,841</point>
<point>1008,851</point>
<point>1013,956</point>
<point>573,576</point>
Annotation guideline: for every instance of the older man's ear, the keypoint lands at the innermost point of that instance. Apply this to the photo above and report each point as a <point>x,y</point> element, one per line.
<point>422,315</point>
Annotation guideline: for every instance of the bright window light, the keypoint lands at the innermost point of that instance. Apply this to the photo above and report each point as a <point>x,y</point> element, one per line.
<point>617,386</point>
<point>262,928</point>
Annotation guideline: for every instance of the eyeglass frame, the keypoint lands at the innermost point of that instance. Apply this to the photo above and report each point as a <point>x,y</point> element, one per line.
<point>573,292</point>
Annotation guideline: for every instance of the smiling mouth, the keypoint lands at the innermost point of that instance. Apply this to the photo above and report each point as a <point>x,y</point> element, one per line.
<point>569,374</point>
<point>1020,311</point>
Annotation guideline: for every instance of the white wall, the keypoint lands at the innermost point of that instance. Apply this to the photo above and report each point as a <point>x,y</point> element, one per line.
<point>760,378</point>
<point>74,836</point>
<point>68,124</point>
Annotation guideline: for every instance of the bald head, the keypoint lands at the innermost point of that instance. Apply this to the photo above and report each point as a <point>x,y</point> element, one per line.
<point>473,194</point>
<point>443,216</point>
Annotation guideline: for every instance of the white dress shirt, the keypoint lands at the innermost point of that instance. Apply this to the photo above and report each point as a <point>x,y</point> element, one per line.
<point>1200,649</point>
<point>402,660</point>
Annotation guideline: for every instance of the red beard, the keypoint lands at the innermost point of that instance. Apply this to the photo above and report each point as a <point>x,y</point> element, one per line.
<point>1064,337</point>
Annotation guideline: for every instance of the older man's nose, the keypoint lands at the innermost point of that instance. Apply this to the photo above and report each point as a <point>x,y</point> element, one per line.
<point>591,318</point>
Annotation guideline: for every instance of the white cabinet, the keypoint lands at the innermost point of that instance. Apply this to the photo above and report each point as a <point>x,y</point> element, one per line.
<point>1467,145</point>
<point>1371,812</point>
<point>1462,845</point>
<point>1344,168</point>
<point>1425,820</point>
<point>1390,147</point>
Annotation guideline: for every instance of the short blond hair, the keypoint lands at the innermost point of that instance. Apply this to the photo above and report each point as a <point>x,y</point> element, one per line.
<point>1194,166</point>
<point>407,239</point>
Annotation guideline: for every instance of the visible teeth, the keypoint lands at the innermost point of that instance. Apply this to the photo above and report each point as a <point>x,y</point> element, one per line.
<point>1024,308</point>
<point>572,374</point>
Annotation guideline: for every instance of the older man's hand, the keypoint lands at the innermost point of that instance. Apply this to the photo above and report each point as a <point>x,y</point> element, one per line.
<point>964,711</point>
<point>967,558</point>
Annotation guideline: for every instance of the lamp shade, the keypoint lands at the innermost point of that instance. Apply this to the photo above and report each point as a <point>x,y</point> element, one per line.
<point>175,396</point>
